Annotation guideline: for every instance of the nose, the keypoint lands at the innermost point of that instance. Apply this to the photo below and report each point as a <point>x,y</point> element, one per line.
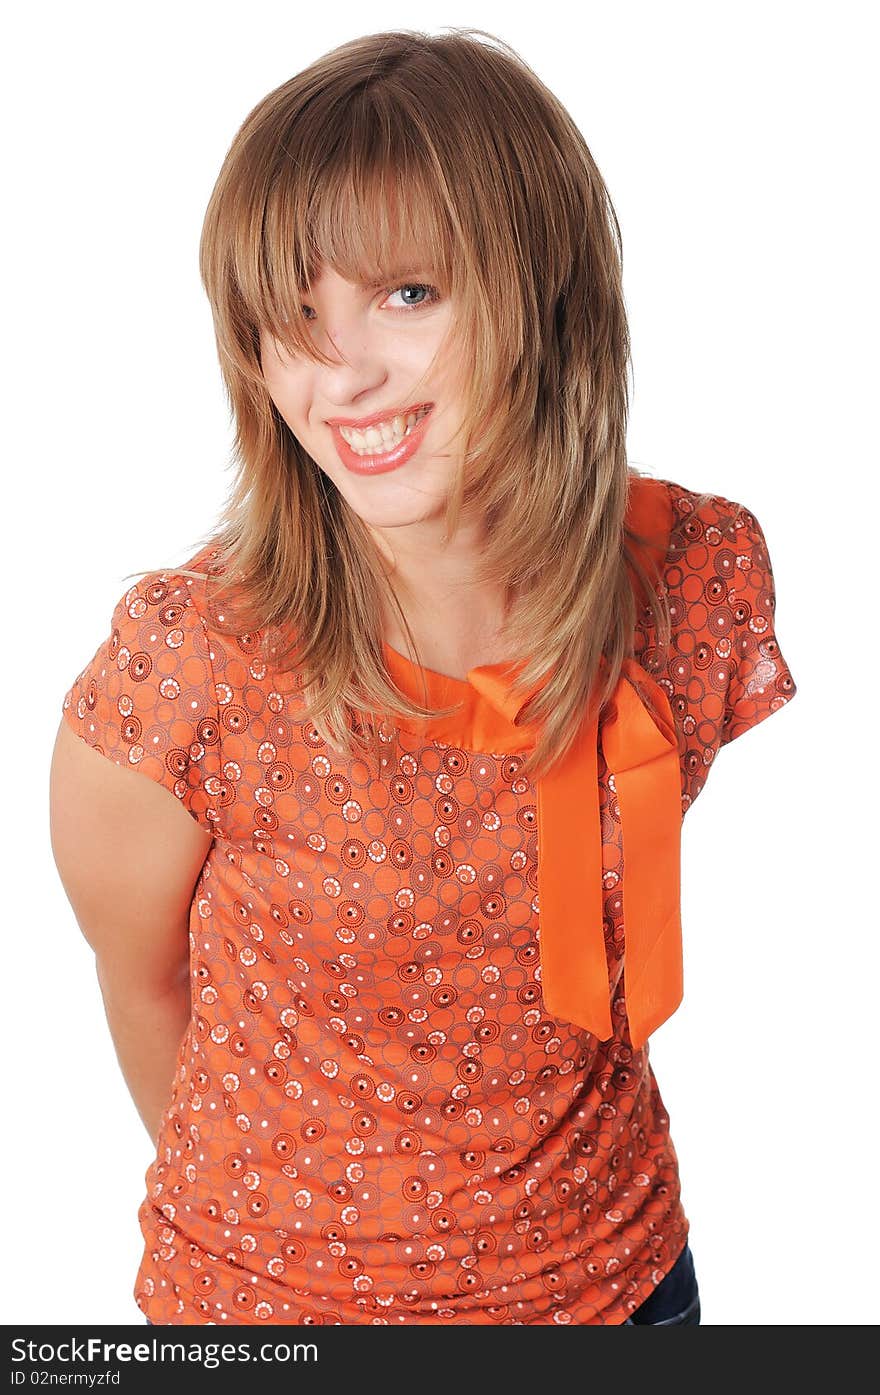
<point>355,371</point>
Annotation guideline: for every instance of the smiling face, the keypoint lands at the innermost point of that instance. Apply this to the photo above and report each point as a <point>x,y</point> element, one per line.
<point>388,359</point>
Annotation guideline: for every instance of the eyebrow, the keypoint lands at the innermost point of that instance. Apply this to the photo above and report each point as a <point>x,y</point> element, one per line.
<point>393,275</point>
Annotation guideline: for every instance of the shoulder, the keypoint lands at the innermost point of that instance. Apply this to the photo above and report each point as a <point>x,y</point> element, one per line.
<point>165,608</point>
<point>718,570</point>
<point>187,582</point>
<point>695,518</point>
<point>705,535</point>
<point>156,628</point>
<point>686,527</point>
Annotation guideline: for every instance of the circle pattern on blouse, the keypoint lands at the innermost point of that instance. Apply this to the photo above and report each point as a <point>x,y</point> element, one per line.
<point>373,1117</point>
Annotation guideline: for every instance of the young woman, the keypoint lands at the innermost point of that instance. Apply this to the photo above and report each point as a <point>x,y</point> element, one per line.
<point>383,936</point>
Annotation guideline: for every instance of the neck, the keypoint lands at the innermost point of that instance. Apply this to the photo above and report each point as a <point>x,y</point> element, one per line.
<point>455,618</point>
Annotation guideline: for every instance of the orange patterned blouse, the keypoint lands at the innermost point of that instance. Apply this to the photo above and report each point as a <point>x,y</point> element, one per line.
<point>375,1118</point>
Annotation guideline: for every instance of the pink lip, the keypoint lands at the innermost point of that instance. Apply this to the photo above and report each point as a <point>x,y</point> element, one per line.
<point>389,460</point>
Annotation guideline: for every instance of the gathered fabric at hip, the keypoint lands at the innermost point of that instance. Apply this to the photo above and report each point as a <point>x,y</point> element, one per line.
<point>675,1301</point>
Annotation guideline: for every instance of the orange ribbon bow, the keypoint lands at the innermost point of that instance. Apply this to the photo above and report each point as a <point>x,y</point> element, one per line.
<point>641,751</point>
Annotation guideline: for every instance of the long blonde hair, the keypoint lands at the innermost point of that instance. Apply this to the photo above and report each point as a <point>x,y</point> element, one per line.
<point>403,140</point>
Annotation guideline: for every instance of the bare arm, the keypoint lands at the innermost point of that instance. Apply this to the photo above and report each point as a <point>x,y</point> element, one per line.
<point>147,1029</point>
<point>129,857</point>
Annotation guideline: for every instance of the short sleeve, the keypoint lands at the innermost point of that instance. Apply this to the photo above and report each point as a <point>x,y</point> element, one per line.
<point>760,680</point>
<point>147,699</point>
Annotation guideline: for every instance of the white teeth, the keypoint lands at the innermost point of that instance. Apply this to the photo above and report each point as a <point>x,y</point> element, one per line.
<point>383,437</point>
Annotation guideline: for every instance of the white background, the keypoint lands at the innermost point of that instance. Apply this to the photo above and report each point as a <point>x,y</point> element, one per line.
<point>736,142</point>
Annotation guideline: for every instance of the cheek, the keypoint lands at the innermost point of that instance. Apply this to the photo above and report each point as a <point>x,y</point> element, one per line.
<point>288,392</point>
<point>277,366</point>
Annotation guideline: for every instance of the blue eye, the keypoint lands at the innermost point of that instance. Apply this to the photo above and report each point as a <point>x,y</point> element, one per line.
<point>431,296</point>
<point>431,293</point>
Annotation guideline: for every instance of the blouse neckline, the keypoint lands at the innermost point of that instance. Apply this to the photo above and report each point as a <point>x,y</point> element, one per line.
<point>486,716</point>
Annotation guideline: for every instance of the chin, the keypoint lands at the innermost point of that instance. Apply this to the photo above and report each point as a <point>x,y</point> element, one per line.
<point>393,515</point>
